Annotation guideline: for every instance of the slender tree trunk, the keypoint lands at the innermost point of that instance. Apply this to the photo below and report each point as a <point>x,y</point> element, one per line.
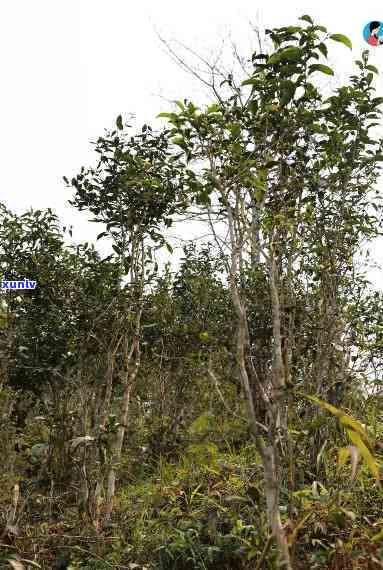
<point>278,420</point>
<point>269,452</point>
<point>129,377</point>
<point>101,410</point>
<point>272,486</point>
<point>132,360</point>
<point>117,450</point>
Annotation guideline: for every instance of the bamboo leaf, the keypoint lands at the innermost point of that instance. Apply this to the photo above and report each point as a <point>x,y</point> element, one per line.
<point>356,433</point>
<point>366,454</point>
<point>348,422</point>
<point>325,406</point>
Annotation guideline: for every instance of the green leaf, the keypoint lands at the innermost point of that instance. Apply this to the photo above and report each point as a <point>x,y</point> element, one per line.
<point>215,108</point>
<point>253,106</point>
<point>275,58</point>
<point>259,195</point>
<point>119,123</point>
<point>165,115</point>
<point>235,129</point>
<point>180,105</point>
<point>342,39</point>
<point>179,141</point>
<point>287,54</point>
<point>293,29</point>
<point>372,68</point>
<point>200,424</point>
<point>323,49</point>
<point>306,18</point>
<point>250,81</point>
<point>287,92</point>
<point>320,67</point>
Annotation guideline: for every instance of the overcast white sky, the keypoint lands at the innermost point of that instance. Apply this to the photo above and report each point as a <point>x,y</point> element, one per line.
<point>68,68</point>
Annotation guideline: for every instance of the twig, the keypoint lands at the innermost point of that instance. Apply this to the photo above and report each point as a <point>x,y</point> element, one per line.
<point>264,552</point>
<point>226,406</point>
<point>77,537</point>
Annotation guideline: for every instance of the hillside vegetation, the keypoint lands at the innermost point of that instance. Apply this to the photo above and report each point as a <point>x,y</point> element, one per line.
<point>224,412</point>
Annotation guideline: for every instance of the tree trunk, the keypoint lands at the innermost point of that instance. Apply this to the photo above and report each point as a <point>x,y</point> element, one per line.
<point>272,485</point>
<point>117,450</point>
<point>274,405</point>
<point>129,379</point>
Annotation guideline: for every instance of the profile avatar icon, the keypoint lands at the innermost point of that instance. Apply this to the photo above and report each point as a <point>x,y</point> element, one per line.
<point>373,33</point>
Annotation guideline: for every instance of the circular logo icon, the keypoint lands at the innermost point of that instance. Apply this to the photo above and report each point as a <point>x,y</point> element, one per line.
<point>373,33</point>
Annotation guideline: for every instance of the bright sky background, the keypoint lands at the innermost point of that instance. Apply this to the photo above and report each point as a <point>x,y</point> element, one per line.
<point>68,68</point>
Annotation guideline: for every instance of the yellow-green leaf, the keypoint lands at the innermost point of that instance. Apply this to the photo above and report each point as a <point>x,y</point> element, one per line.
<point>378,537</point>
<point>366,454</point>
<point>214,108</point>
<point>166,115</point>
<point>325,406</point>
<point>356,433</point>
<point>350,423</point>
